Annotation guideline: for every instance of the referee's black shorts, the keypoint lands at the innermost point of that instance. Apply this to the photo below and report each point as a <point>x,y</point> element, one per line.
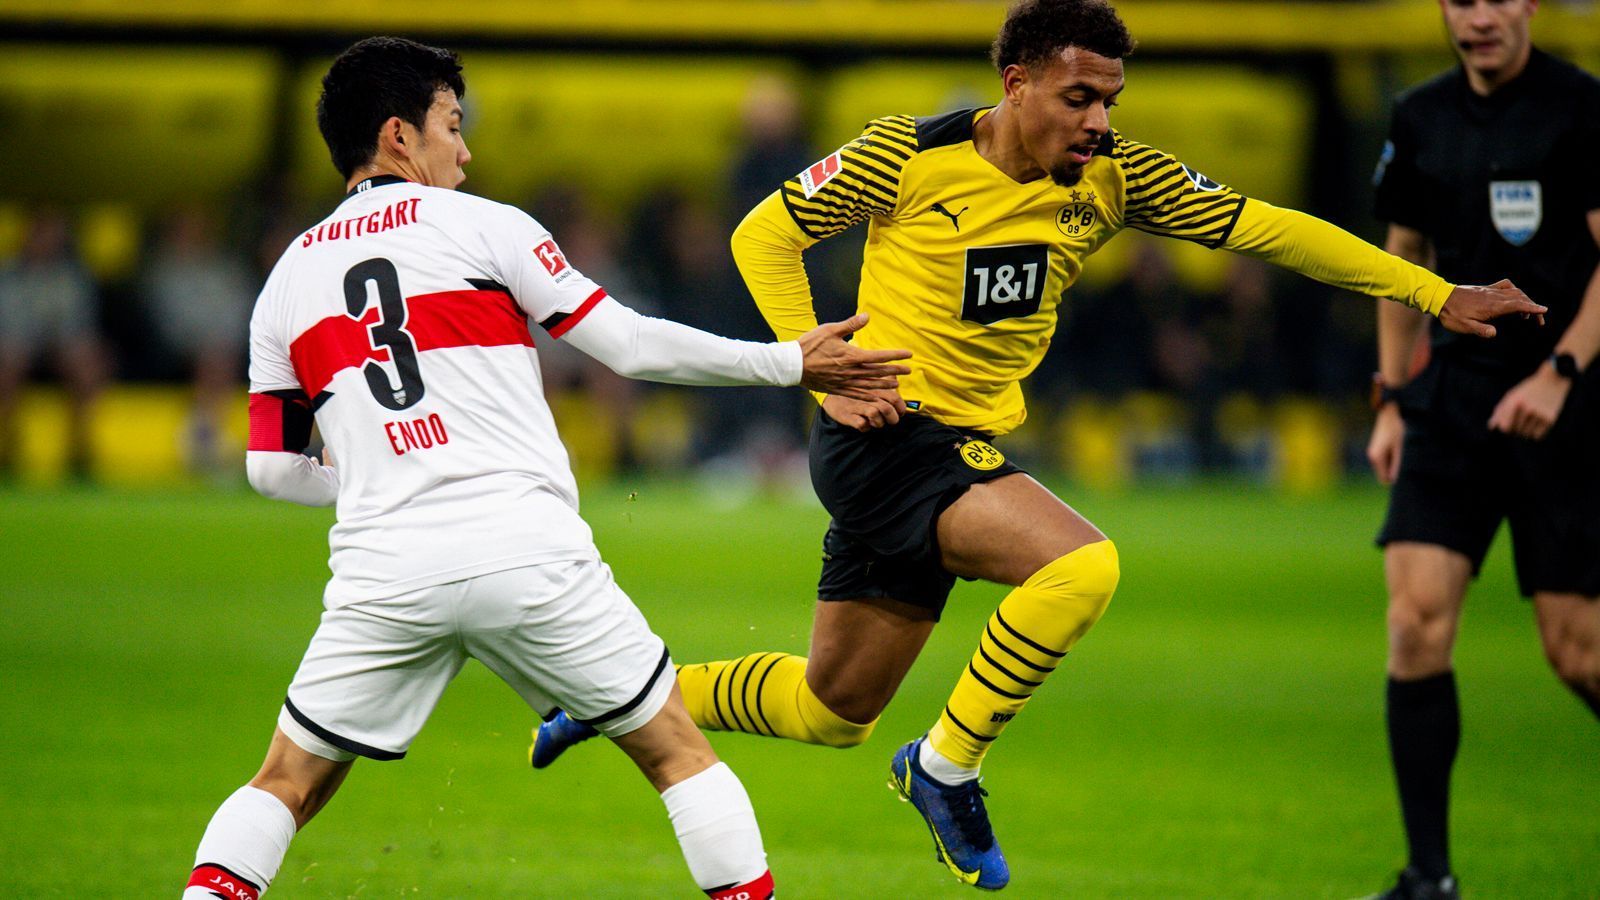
<point>885,489</point>
<point>1458,479</point>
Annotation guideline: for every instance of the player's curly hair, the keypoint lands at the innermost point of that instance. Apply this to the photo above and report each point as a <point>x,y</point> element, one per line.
<point>374,79</point>
<point>1036,30</point>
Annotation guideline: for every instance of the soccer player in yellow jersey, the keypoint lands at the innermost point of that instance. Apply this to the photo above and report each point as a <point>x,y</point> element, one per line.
<point>978,222</point>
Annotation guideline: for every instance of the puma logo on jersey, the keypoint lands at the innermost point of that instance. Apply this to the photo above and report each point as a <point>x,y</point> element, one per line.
<point>954,217</point>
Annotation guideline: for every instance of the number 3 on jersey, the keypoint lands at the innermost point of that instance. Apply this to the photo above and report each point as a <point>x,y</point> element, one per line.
<point>388,332</point>
<point>1004,282</point>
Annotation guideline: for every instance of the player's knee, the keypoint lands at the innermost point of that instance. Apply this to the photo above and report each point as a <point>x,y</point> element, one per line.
<point>1575,662</point>
<point>847,734</point>
<point>1088,575</point>
<point>1420,626</point>
<point>1102,571</point>
<point>839,722</point>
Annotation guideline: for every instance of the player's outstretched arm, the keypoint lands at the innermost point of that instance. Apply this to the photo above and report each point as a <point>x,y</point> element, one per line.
<point>1331,255</point>
<point>832,366</point>
<point>1470,308</point>
<point>637,346</point>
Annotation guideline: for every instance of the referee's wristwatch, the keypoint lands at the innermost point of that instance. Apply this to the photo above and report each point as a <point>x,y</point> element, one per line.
<point>1566,365</point>
<point>1382,394</point>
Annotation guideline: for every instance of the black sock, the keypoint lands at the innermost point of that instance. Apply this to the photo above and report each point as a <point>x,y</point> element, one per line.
<point>1424,731</point>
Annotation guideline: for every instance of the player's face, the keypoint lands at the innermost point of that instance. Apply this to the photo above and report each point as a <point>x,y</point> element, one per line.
<point>1064,108</point>
<point>442,152</point>
<point>1490,36</point>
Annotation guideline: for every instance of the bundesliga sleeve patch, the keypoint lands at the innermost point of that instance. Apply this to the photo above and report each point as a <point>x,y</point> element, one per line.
<point>812,179</point>
<point>550,257</point>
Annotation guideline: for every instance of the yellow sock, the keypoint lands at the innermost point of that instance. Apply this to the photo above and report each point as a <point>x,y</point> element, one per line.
<point>764,693</point>
<point>1026,637</point>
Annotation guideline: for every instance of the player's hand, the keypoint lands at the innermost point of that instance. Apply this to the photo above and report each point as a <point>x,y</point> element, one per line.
<point>833,366</point>
<point>1469,308</point>
<point>1532,407</point>
<point>327,456</point>
<point>864,415</point>
<point>1383,448</point>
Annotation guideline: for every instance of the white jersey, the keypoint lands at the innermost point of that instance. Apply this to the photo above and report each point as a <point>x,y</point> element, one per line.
<point>403,319</point>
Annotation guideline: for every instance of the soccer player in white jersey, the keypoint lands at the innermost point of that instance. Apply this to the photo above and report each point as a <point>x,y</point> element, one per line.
<point>400,324</point>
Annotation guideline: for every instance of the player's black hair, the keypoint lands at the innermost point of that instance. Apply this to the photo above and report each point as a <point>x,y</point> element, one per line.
<point>1036,30</point>
<point>375,79</point>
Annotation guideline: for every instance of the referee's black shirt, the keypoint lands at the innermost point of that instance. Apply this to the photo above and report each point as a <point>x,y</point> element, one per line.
<point>1502,186</point>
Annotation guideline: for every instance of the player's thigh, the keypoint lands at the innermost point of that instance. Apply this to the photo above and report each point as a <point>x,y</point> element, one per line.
<point>861,651</point>
<point>1007,529</point>
<point>565,635</point>
<point>373,673</point>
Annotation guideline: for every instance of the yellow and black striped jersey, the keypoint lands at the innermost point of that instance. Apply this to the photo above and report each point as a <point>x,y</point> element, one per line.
<point>966,267</point>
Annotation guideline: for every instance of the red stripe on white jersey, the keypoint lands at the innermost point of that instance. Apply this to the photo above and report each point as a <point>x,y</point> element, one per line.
<point>577,315</point>
<point>466,319</point>
<point>759,889</point>
<point>434,321</point>
<point>222,882</point>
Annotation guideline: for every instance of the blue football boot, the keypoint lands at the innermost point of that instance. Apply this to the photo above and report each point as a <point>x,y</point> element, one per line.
<point>955,815</point>
<point>552,738</point>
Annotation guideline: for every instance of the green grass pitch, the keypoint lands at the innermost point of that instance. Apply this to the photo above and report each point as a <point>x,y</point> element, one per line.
<point>1219,734</point>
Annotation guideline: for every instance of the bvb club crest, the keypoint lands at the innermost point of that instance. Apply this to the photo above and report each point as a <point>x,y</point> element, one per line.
<point>1075,219</point>
<point>981,455</point>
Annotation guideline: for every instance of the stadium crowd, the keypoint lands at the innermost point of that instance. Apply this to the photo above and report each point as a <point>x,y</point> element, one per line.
<point>1193,365</point>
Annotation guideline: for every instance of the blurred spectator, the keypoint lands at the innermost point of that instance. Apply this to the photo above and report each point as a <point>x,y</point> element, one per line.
<point>590,245</point>
<point>773,145</point>
<point>1105,340</point>
<point>199,295</point>
<point>1245,335</point>
<point>49,309</point>
<point>757,430</point>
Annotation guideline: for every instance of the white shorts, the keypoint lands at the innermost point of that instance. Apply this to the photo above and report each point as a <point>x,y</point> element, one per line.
<point>561,635</point>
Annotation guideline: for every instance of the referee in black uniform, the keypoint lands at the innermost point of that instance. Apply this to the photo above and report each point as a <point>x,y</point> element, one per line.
<point>1492,169</point>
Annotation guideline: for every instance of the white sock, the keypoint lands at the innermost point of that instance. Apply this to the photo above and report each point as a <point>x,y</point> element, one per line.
<point>242,847</point>
<point>940,769</point>
<point>717,830</point>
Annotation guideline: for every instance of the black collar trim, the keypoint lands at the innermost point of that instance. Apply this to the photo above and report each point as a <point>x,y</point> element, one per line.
<point>375,181</point>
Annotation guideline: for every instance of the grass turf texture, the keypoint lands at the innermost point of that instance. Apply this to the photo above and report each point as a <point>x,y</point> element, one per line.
<point>1218,734</point>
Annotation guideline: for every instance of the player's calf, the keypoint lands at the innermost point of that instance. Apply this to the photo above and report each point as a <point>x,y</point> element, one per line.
<point>1026,638</point>
<point>766,694</point>
<point>242,848</point>
<point>716,828</point>
<point>710,811</point>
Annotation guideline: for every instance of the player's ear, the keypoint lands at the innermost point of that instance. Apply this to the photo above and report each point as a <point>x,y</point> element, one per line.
<point>1013,78</point>
<point>392,137</point>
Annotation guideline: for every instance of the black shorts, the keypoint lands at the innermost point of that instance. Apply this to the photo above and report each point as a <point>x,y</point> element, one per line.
<point>1458,479</point>
<point>885,490</point>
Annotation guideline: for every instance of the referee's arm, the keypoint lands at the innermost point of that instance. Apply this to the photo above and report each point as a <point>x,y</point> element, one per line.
<point>1531,408</point>
<point>1400,327</point>
<point>1582,337</point>
<point>1400,331</point>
